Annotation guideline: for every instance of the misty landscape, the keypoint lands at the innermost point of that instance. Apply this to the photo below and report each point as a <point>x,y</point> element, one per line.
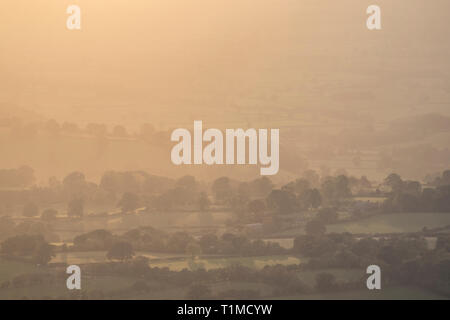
<point>86,176</point>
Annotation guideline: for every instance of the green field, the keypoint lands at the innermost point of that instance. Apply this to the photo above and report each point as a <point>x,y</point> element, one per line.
<point>370,199</point>
<point>122,285</point>
<point>84,257</point>
<point>287,243</point>
<point>216,289</point>
<point>392,293</point>
<point>341,275</point>
<point>383,223</point>
<point>393,223</point>
<point>216,263</point>
<point>9,269</point>
<point>118,287</point>
<point>181,261</point>
<point>68,229</point>
<point>58,288</point>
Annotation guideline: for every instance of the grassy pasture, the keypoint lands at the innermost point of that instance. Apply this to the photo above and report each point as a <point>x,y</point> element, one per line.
<point>68,229</point>
<point>84,257</point>
<point>287,243</point>
<point>180,262</point>
<point>393,223</point>
<point>58,289</point>
<point>383,223</point>
<point>216,263</point>
<point>392,293</point>
<point>370,199</point>
<point>10,268</point>
<point>341,275</point>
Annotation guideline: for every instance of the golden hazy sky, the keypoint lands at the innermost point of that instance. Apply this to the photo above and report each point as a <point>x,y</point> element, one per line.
<point>174,60</point>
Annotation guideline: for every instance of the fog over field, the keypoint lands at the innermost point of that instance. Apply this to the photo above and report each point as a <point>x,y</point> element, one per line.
<point>87,175</point>
<point>341,94</point>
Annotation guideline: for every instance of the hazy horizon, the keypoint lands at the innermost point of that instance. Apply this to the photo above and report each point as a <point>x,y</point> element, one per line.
<point>311,69</point>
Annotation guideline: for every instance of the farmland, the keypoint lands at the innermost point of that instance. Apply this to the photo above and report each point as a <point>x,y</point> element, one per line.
<point>392,293</point>
<point>9,269</point>
<point>177,262</point>
<point>383,223</point>
<point>393,223</point>
<point>216,263</point>
<point>207,241</point>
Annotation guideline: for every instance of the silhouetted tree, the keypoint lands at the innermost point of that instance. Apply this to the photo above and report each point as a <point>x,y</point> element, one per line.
<point>222,189</point>
<point>325,282</point>
<point>43,253</point>
<point>193,249</point>
<point>283,202</point>
<point>394,182</point>
<point>198,291</point>
<point>203,201</point>
<point>315,227</point>
<point>49,214</point>
<point>119,131</point>
<point>327,215</point>
<point>74,184</point>
<point>30,210</point>
<point>257,207</point>
<point>310,198</point>
<point>129,202</point>
<point>122,251</point>
<point>75,207</point>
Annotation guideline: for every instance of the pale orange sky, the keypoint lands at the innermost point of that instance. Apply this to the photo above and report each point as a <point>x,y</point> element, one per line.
<point>172,61</point>
<point>308,67</point>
